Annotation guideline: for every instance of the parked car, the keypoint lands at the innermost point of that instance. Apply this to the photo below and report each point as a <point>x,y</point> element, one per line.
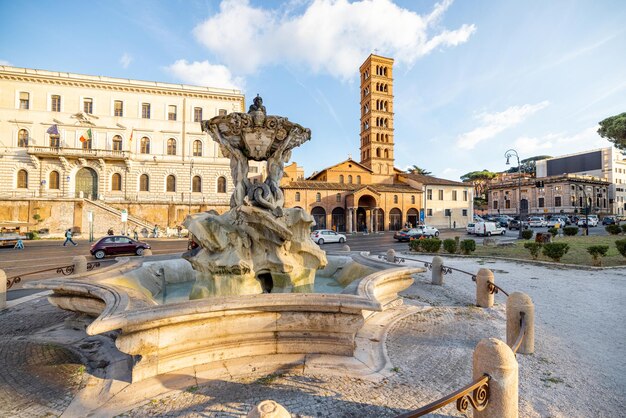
<point>423,231</point>
<point>470,228</point>
<point>116,245</point>
<point>556,222</point>
<point>516,223</point>
<point>320,236</point>
<point>401,235</point>
<point>593,220</point>
<point>609,220</point>
<point>536,222</point>
<point>489,228</point>
<point>503,221</point>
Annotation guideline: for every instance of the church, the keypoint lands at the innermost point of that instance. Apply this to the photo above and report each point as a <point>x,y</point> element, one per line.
<point>372,194</point>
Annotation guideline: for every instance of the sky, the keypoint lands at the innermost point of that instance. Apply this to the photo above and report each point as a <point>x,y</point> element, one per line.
<point>472,79</point>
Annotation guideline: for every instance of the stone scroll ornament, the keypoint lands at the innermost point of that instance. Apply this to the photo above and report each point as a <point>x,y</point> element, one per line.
<point>256,136</point>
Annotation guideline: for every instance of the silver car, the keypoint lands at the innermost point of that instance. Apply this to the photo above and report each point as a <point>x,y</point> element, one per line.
<point>320,236</point>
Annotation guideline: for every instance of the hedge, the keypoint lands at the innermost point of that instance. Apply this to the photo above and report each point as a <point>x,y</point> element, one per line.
<point>555,250</point>
<point>450,246</point>
<point>613,229</point>
<point>431,245</point>
<point>621,246</point>
<point>527,234</point>
<point>570,231</point>
<point>534,248</point>
<point>597,252</point>
<point>468,246</point>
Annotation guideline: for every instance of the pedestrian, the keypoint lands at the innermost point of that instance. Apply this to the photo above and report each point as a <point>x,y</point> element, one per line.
<point>68,238</point>
<point>156,231</point>
<point>110,231</point>
<point>19,245</point>
<point>179,229</point>
<point>135,234</point>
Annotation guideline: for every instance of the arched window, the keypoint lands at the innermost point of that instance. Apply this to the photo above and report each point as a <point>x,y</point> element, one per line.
<point>395,198</point>
<point>318,197</point>
<point>144,183</point>
<point>196,184</point>
<point>221,185</point>
<point>197,148</point>
<point>145,145</point>
<point>170,183</point>
<point>378,152</point>
<point>412,200</point>
<point>22,138</point>
<point>350,179</point>
<point>117,143</point>
<point>297,196</point>
<point>341,178</point>
<point>116,182</point>
<point>53,180</point>
<point>171,146</point>
<point>22,179</point>
<point>338,198</point>
<point>358,179</point>
<point>386,153</point>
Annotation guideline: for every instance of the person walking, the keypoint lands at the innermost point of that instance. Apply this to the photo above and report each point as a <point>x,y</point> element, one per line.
<point>135,234</point>
<point>68,238</point>
<point>156,231</point>
<point>19,245</point>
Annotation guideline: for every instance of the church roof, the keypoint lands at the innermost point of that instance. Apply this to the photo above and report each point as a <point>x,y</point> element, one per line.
<point>433,181</point>
<point>349,160</point>
<point>322,185</point>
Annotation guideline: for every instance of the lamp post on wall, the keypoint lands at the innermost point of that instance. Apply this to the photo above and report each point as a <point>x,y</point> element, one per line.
<point>190,183</point>
<point>512,153</point>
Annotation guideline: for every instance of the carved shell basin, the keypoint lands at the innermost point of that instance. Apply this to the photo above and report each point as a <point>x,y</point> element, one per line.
<point>255,134</point>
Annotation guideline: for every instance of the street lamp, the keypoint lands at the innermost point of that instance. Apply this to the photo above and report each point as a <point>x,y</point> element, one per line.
<point>190,183</point>
<point>512,153</point>
<point>586,209</point>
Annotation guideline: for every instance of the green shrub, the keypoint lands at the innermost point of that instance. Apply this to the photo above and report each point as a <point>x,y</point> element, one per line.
<point>469,245</point>
<point>32,235</point>
<point>570,231</point>
<point>621,246</point>
<point>527,234</point>
<point>555,250</point>
<point>623,228</point>
<point>450,245</point>
<point>613,229</point>
<point>431,245</point>
<point>597,252</point>
<point>414,244</point>
<point>534,248</point>
<point>553,231</point>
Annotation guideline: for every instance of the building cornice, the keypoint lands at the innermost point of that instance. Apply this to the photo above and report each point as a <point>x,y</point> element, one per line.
<point>117,84</point>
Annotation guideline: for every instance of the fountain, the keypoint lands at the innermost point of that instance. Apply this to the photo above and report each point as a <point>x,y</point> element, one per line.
<point>251,277</point>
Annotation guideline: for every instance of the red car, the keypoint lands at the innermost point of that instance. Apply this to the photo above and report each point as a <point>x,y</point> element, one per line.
<point>116,245</point>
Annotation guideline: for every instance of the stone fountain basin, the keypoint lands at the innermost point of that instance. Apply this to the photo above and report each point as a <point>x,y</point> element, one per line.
<point>171,337</point>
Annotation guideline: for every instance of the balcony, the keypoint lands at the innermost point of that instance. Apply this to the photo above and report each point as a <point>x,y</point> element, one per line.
<point>78,153</point>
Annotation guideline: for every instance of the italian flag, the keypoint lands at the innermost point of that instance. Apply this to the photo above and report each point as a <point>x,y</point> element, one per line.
<point>86,136</point>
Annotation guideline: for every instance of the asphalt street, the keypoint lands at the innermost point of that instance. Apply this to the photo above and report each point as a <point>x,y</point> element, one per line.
<point>50,254</point>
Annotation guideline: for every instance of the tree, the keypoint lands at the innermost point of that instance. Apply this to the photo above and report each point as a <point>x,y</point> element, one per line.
<point>529,165</point>
<point>614,129</point>
<point>416,170</point>
<point>479,180</point>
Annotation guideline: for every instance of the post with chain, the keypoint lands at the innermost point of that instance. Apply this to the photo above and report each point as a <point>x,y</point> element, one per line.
<point>520,304</point>
<point>437,270</point>
<point>80,264</point>
<point>484,296</point>
<point>496,359</point>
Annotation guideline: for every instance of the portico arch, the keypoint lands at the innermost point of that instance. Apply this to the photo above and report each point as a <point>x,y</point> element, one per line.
<point>412,216</point>
<point>395,219</point>
<point>87,183</point>
<point>319,214</point>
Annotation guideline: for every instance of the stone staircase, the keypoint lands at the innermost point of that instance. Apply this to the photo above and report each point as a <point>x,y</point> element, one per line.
<point>132,220</point>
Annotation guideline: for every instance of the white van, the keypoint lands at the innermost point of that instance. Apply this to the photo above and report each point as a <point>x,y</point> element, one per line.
<point>488,229</point>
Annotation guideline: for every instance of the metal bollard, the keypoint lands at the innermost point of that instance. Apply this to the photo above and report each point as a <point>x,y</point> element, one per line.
<point>3,289</point>
<point>437,270</point>
<point>484,298</point>
<point>496,359</point>
<point>516,304</point>
<point>391,255</point>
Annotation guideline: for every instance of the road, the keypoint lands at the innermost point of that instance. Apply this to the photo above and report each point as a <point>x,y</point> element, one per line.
<point>50,254</point>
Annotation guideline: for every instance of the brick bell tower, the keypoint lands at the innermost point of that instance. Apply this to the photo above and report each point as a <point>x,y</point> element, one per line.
<point>377,117</point>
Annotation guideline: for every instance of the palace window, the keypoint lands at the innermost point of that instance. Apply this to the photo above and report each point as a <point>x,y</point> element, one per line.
<point>171,146</point>
<point>507,204</point>
<point>412,200</point>
<point>197,114</point>
<point>53,180</point>
<point>350,179</point>
<point>116,182</point>
<point>557,201</point>
<point>197,148</point>
<point>22,138</point>
<point>464,211</point>
<point>318,197</point>
<point>495,204</point>
<point>453,194</point>
<point>145,110</point>
<point>171,112</point>
<point>144,183</point>
<point>341,178</point>
<point>297,196</point>
<point>117,143</point>
<point>144,145</point>
<point>465,195</point>
<point>22,179</point>
<point>221,185</point>
<point>429,212</point>
<point>24,100</point>
<point>395,198</point>
<point>170,183</point>
<point>118,108</point>
<point>55,104</point>
<point>196,184</point>
<point>541,202</point>
<point>358,179</point>
<point>55,141</point>
<point>440,194</point>
<point>429,194</point>
<point>338,198</point>
<point>88,105</point>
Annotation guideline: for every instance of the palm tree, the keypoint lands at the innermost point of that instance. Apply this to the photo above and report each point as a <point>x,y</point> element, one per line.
<point>416,170</point>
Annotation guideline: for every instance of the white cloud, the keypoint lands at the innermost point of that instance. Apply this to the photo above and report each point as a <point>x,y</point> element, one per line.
<point>328,36</point>
<point>3,62</point>
<point>495,123</point>
<point>561,143</point>
<point>126,59</point>
<point>205,74</point>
